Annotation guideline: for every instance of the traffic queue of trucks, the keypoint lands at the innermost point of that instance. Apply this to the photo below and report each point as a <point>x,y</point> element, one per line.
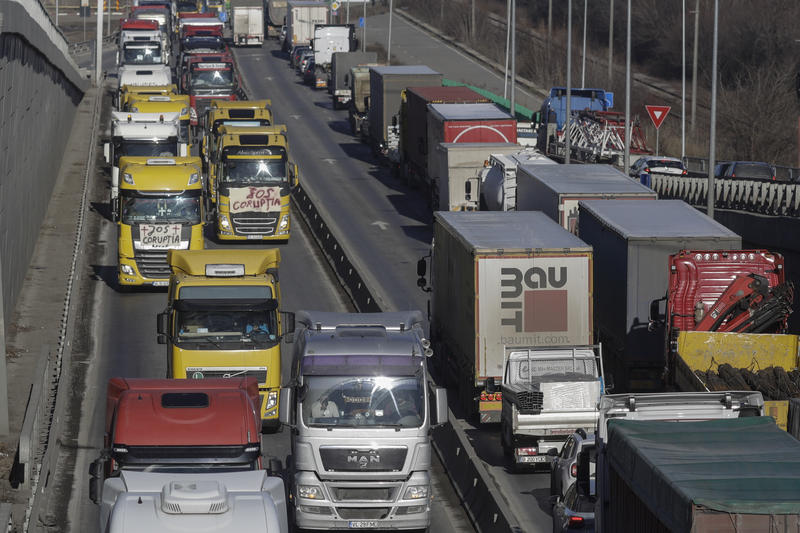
<point>559,295</point>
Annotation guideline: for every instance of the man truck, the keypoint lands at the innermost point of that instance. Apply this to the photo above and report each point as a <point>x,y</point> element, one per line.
<point>361,408</point>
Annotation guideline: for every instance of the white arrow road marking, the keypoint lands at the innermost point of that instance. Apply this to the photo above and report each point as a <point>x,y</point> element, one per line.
<point>330,161</point>
<point>296,117</point>
<point>381,224</point>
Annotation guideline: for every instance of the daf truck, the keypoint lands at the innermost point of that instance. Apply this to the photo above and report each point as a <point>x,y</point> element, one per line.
<point>253,181</point>
<point>230,113</point>
<point>184,455</point>
<point>142,135</point>
<point>520,283</point>
<point>361,408</point>
<point>159,208</point>
<point>222,320</point>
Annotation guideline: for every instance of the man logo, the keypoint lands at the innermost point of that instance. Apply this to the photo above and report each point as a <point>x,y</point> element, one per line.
<point>364,458</point>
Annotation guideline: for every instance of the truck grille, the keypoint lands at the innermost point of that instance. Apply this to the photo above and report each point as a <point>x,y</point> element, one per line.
<point>363,512</point>
<point>530,402</point>
<point>209,373</point>
<point>348,459</point>
<point>366,494</point>
<point>253,224</point>
<point>152,263</point>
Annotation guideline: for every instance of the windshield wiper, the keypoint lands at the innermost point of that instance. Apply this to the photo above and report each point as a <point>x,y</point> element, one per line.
<point>207,338</point>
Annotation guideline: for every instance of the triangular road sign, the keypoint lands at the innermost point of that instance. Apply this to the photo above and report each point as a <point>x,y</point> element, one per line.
<point>657,113</point>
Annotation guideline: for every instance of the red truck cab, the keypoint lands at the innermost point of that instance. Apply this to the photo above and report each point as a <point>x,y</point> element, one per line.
<point>138,24</point>
<point>191,423</point>
<point>210,77</point>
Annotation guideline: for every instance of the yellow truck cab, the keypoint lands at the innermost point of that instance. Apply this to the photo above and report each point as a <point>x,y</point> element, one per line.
<point>165,103</point>
<point>159,208</point>
<point>222,319</point>
<point>129,92</point>
<point>220,114</point>
<point>254,178</point>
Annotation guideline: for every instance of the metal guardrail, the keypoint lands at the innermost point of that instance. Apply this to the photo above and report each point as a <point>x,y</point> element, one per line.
<point>85,47</point>
<point>30,435</point>
<point>763,197</point>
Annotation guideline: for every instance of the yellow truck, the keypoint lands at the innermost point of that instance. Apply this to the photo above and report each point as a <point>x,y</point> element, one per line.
<point>717,361</point>
<point>223,320</point>
<point>220,113</point>
<point>159,208</point>
<point>252,183</point>
<point>129,92</point>
<point>165,103</point>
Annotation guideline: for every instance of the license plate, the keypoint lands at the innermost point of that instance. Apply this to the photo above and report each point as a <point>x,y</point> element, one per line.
<point>532,459</point>
<point>160,283</point>
<point>362,524</point>
<point>255,237</point>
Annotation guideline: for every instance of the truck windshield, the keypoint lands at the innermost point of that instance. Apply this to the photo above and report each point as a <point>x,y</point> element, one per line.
<point>211,79</point>
<point>253,171</point>
<point>184,209</point>
<point>363,401</point>
<point>168,148</point>
<point>221,325</point>
<point>139,54</point>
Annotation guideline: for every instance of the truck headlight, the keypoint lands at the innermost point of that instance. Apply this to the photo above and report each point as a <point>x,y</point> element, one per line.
<point>192,113</point>
<point>194,178</point>
<point>127,178</point>
<point>127,270</point>
<point>186,111</point>
<point>284,221</point>
<point>416,492</point>
<point>272,399</point>
<point>310,492</point>
<point>223,222</point>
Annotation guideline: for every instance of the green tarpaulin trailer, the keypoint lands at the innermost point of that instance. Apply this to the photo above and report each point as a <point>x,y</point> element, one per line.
<point>735,475</point>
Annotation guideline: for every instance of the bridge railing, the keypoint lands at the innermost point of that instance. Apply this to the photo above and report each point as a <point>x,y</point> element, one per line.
<point>772,198</point>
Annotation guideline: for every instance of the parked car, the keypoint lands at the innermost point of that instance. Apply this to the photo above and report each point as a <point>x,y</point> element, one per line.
<point>294,55</point>
<point>721,167</point>
<point>644,167</point>
<point>565,467</point>
<point>575,511</point>
<point>750,170</point>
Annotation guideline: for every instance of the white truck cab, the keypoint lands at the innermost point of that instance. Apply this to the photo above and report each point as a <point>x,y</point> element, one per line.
<point>148,75</point>
<point>142,134</point>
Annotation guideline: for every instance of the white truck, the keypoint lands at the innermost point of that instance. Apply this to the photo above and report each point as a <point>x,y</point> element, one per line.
<point>142,134</point>
<point>141,47</point>
<point>301,18</point>
<point>147,75</point>
<point>454,173</point>
<point>229,502</point>
<point>329,39</point>
<point>547,394</point>
<point>499,179</point>
<point>361,408</point>
<point>520,283</point>
<point>247,22</point>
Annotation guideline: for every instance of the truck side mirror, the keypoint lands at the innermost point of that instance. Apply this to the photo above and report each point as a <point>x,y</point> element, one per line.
<point>184,150</point>
<point>608,383</point>
<point>467,189</point>
<point>285,406</point>
<point>107,152</point>
<point>96,480</point>
<point>584,459</point>
<point>654,317</point>
<point>440,403</point>
<point>287,324</point>
<point>422,267</point>
<point>162,325</point>
<point>115,209</point>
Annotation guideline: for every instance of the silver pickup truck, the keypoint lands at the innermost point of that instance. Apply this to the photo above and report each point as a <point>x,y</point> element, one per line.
<point>548,394</point>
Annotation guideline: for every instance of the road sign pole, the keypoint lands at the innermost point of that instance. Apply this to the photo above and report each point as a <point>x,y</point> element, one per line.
<point>657,130</point>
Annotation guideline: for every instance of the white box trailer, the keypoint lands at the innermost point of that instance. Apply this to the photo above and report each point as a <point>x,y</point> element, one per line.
<point>247,22</point>
<point>301,17</point>
<point>454,172</point>
<point>556,189</point>
<point>503,281</point>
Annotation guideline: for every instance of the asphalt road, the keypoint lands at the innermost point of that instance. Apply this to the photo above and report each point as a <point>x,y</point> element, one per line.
<point>117,334</point>
<point>383,224</point>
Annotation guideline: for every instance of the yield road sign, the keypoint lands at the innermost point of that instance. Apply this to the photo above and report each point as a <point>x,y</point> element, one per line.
<point>657,113</point>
